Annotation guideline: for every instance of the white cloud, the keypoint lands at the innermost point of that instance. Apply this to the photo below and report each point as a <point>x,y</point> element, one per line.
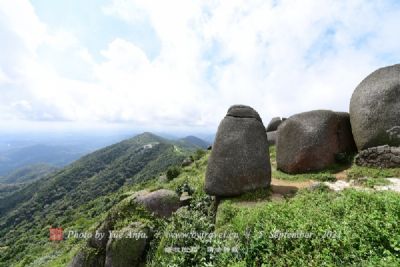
<point>281,57</point>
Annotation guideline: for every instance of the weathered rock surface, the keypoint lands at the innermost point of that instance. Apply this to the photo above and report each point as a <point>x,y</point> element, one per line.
<point>239,161</point>
<point>381,156</point>
<point>161,202</point>
<point>310,141</point>
<point>126,247</point>
<point>272,137</point>
<point>375,109</point>
<point>99,241</point>
<point>88,257</point>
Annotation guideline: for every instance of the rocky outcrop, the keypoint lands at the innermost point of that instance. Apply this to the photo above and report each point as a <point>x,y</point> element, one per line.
<point>239,161</point>
<point>311,141</point>
<point>375,109</point>
<point>381,156</point>
<point>126,247</point>
<point>161,202</point>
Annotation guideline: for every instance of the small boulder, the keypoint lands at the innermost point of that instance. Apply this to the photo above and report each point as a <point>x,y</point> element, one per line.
<point>185,199</point>
<point>310,141</point>
<point>187,162</point>
<point>274,124</point>
<point>126,247</point>
<point>272,137</point>
<point>375,109</point>
<point>161,202</point>
<point>239,161</point>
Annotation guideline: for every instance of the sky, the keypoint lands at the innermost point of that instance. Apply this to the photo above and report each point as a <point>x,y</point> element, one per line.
<point>178,65</point>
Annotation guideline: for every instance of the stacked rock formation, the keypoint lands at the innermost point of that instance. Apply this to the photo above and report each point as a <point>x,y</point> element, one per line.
<point>239,161</point>
<point>381,156</point>
<point>310,141</point>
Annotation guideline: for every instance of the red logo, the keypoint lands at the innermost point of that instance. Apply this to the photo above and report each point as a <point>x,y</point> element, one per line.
<point>56,234</point>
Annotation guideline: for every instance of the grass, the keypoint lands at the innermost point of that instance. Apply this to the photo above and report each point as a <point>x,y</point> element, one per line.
<point>335,229</point>
<point>317,176</point>
<point>359,172</point>
<point>372,182</point>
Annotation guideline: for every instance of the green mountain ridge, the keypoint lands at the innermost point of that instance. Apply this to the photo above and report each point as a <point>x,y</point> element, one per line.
<point>28,174</point>
<point>46,201</point>
<point>193,140</point>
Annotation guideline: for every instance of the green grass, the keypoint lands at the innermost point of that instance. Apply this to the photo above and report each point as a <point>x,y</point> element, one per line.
<point>256,195</point>
<point>359,172</point>
<point>372,182</point>
<point>317,176</point>
<point>348,228</point>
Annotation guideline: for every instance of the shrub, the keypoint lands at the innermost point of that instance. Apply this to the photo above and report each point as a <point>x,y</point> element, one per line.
<point>199,154</point>
<point>173,172</point>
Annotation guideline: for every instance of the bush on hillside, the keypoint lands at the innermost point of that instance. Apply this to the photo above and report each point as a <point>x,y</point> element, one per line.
<point>173,172</point>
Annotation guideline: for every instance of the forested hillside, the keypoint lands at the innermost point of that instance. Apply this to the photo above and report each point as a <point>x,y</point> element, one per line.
<point>52,200</point>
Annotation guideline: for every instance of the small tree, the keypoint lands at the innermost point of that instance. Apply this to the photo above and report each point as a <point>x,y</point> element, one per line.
<point>199,154</point>
<point>173,172</point>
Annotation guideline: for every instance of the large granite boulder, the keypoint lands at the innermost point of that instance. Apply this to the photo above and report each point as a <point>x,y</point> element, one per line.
<point>375,109</point>
<point>127,247</point>
<point>311,141</point>
<point>161,202</point>
<point>239,161</point>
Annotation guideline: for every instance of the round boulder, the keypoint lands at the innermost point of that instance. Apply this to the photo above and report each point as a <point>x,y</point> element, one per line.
<point>272,137</point>
<point>375,109</point>
<point>311,141</point>
<point>239,161</point>
<point>161,202</point>
<point>126,247</point>
<point>274,124</point>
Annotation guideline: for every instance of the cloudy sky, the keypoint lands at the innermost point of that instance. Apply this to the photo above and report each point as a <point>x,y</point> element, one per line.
<point>181,64</point>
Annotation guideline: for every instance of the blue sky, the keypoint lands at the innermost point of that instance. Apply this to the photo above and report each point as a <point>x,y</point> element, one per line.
<point>178,65</point>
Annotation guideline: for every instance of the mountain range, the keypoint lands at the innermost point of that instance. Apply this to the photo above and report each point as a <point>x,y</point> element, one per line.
<point>51,200</point>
